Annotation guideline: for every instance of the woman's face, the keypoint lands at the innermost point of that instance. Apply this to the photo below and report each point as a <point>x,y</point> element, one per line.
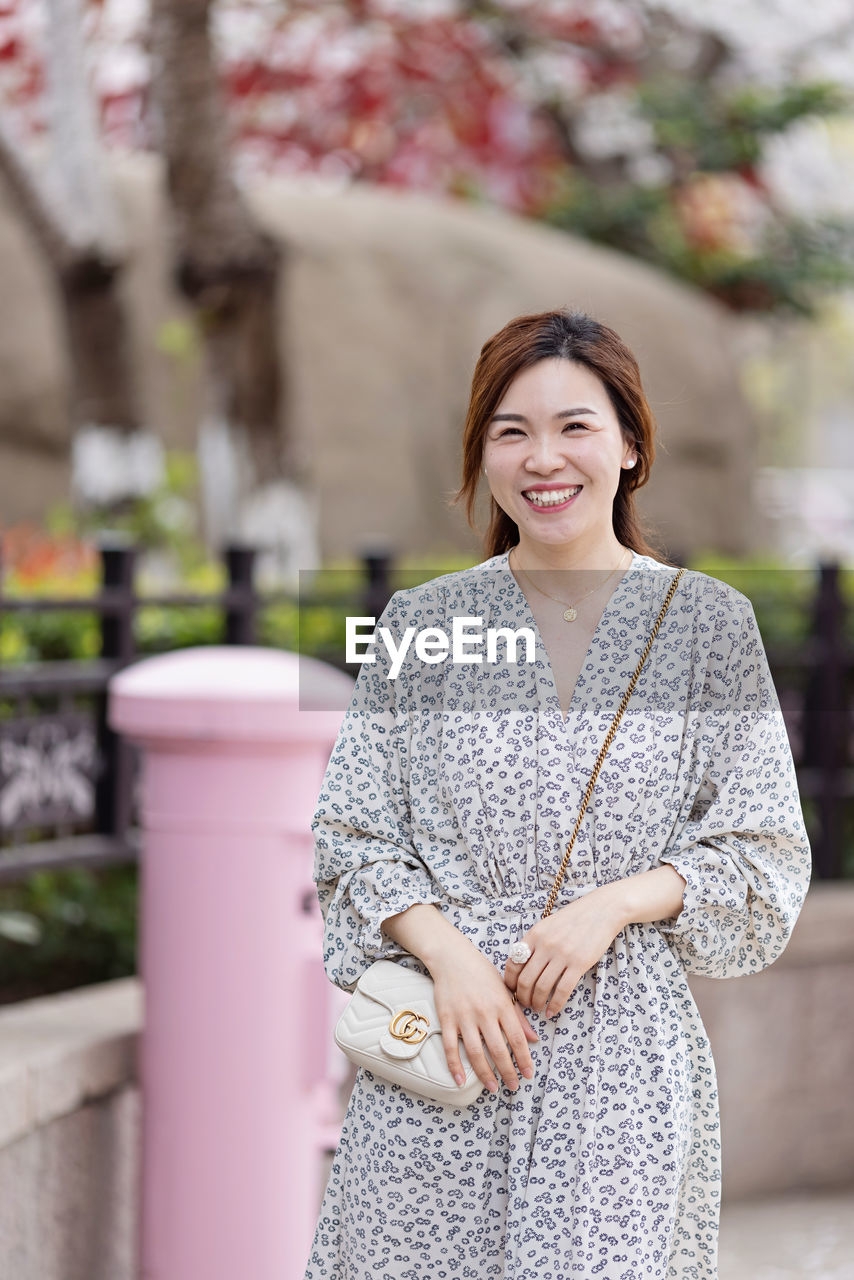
<point>555,429</point>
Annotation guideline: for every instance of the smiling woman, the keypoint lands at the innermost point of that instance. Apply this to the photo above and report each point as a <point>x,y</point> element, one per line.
<point>555,472</point>
<point>558,404</point>
<point>456,793</point>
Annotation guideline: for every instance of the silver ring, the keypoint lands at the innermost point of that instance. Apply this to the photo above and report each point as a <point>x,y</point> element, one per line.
<point>519,952</point>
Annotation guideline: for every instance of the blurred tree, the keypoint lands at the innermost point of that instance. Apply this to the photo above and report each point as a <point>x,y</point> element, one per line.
<point>670,129</point>
<point>224,264</point>
<point>642,124</point>
<point>69,209</point>
<point>658,126</point>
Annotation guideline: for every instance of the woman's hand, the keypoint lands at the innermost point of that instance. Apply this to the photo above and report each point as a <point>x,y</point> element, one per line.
<point>473,1002</point>
<point>563,947</point>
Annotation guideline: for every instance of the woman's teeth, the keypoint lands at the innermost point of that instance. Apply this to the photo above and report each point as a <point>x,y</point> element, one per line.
<point>551,497</point>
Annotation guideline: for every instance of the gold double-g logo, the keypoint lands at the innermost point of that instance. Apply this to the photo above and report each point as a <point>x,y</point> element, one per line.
<point>409,1026</point>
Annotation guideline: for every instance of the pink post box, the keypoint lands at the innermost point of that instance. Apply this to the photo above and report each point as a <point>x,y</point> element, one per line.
<point>235,1047</point>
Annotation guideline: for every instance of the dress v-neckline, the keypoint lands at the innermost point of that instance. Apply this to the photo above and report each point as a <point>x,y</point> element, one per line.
<point>554,696</point>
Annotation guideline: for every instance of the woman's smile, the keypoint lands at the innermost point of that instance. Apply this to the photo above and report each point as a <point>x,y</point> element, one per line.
<point>545,499</point>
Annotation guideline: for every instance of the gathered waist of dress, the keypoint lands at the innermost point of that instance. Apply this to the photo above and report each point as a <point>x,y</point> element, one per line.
<point>489,906</point>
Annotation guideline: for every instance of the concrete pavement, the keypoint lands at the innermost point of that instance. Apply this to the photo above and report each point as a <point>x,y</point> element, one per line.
<point>799,1236</point>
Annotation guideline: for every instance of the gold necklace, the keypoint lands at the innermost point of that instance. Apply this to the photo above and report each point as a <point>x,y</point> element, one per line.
<point>570,613</point>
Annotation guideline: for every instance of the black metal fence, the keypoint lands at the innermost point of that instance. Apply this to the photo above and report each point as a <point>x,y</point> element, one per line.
<point>824,747</point>
<point>65,776</point>
<point>68,779</point>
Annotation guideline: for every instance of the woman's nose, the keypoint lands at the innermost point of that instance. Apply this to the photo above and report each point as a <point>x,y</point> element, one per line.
<point>546,455</point>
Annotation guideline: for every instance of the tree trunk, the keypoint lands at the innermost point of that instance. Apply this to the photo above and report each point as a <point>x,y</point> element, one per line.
<point>229,269</point>
<point>69,209</point>
<point>102,385</point>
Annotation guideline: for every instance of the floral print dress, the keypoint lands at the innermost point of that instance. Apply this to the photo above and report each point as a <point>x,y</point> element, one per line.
<point>459,784</point>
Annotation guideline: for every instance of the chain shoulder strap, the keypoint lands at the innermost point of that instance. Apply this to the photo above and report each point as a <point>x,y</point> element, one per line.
<point>609,737</point>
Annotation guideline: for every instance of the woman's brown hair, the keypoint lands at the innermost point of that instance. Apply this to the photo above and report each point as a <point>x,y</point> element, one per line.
<point>570,335</point>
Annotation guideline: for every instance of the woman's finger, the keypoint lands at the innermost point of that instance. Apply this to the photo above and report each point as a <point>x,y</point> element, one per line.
<point>451,1043</point>
<point>474,1048</point>
<point>511,975</point>
<point>561,994</point>
<point>519,1045</point>
<point>530,1031</point>
<point>545,985</point>
<point>498,1047</point>
<point>529,977</point>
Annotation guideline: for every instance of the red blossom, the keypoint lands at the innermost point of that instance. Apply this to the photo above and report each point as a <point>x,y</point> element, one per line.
<point>32,556</point>
<point>431,102</point>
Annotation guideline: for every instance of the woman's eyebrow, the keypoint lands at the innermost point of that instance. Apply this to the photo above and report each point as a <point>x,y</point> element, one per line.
<point>520,417</point>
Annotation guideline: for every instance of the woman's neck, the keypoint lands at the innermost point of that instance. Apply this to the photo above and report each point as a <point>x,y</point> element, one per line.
<point>606,554</point>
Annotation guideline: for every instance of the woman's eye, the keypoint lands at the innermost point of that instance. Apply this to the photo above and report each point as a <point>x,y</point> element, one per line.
<point>507,431</point>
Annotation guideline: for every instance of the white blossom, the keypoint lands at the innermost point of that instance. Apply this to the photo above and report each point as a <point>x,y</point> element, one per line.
<point>775,40</point>
<point>554,73</point>
<point>649,169</point>
<point>108,464</point>
<point>610,124</point>
<point>809,168</point>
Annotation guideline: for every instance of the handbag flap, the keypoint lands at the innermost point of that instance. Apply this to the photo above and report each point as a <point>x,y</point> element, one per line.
<point>379,981</point>
<point>398,990</point>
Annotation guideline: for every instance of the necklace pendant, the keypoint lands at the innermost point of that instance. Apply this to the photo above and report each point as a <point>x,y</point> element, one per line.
<point>570,614</point>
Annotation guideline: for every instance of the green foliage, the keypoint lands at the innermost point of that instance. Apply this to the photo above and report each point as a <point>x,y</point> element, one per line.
<point>765,111</point>
<point>164,520</point>
<point>48,636</point>
<point>81,927</point>
<point>710,222</point>
<point>160,628</point>
<point>717,132</point>
<point>178,338</point>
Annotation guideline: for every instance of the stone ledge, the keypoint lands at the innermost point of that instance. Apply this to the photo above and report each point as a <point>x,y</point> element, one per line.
<point>58,1052</point>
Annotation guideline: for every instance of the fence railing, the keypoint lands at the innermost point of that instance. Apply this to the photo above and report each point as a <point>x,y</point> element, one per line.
<point>64,773</point>
<point>67,781</point>
<point>825,752</point>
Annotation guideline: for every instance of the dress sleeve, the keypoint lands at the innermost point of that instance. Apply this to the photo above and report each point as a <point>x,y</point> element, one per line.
<point>740,843</point>
<point>365,866</point>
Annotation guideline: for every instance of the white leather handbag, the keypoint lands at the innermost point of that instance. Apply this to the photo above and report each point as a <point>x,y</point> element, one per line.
<point>390,1024</point>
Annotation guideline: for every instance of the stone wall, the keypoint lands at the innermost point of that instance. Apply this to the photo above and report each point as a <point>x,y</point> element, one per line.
<point>69,1135</point>
<point>783,1044</point>
<point>386,300</point>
